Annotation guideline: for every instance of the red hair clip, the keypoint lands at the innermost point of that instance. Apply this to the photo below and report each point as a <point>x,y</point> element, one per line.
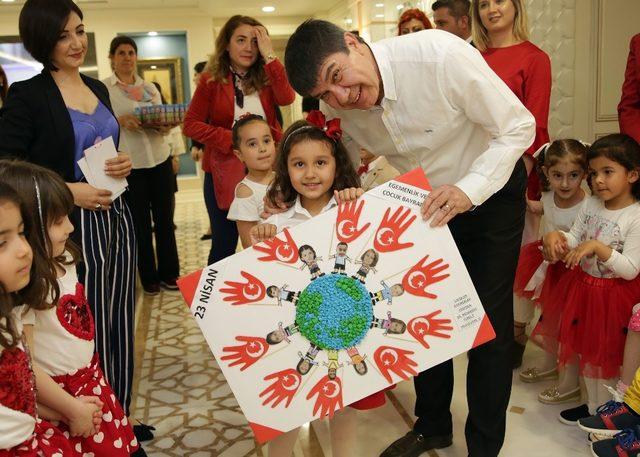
<point>331,128</point>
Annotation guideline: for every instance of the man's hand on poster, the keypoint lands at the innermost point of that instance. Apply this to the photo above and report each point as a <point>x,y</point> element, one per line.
<point>241,293</point>
<point>396,360</point>
<point>443,204</point>
<point>245,354</point>
<point>422,275</point>
<point>391,229</point>
<point>329,392</point>
<point>347,221</point>
<point>421,327</point>
<point>284,386</point>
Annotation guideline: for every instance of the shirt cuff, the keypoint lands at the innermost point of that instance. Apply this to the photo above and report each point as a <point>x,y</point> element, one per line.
<point>476,187</point>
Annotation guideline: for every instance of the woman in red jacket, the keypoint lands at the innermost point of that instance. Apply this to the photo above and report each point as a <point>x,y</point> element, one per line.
<point>242,76</point>
<point>501,34</point>
<point>629,107</point>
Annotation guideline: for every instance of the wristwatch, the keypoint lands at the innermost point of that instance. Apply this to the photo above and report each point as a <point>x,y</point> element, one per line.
<point>270,57</point>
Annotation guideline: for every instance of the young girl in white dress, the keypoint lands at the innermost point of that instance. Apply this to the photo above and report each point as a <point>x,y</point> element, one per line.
<point>254,146</point>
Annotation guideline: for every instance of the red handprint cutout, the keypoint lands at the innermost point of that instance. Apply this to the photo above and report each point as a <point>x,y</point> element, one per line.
<point>241,293</point>
<point>391,229</point>
<point>422,275</point>
<point>347,221</point>
<point>284,387</point>
<point>420,327</point>
<point>329,399</point>
<point>388,359</point>
<point>277,249</point>
<point>245,354</point>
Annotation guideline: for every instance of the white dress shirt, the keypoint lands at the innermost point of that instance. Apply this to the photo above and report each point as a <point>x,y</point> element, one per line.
<point>295,215</point>
<point>443,110</point>
<point>147,148</point>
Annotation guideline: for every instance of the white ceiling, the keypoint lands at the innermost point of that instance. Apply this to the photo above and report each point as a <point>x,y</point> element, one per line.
<point>214,8</point>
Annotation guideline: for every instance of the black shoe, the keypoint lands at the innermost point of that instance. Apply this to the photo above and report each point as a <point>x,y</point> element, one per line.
<point>517,351</point>
<point>143,432</point>
<point>139,453</point>
<point>206,236</point>
<point>151,289</point>
<point>169,284</point>
<point>626,443</point>
<point>413,444</point>
<point>573,415</point>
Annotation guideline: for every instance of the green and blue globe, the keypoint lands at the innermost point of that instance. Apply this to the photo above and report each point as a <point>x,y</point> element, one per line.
<point>334,312</point>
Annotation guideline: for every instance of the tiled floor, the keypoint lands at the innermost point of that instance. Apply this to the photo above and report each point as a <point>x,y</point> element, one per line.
<point>182,392</point>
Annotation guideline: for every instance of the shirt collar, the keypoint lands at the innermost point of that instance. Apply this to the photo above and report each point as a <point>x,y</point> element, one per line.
<point>381,55</point>
<point>299,209</point>
<point>113,80</point>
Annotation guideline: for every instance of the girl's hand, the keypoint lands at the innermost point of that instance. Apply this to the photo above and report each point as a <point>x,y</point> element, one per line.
<point>88,197</point>
<point>534,207</point>
<point>119,167</point>
<point>81,418</point>
<point>270,209</point>
<point>554,246</point>
<point>347,195</point>
<point>585,249</point>
<point>264,42</point>
<point>97,415</point>
<point>129,122</point>
<point>262,232</point>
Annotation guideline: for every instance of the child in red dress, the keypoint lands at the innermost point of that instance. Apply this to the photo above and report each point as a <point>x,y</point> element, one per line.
<point>63,334</point>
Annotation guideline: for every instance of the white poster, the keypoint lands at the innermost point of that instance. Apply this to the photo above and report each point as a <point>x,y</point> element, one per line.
<point>337,308</point>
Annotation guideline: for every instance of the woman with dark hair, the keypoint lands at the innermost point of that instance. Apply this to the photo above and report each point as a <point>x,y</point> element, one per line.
<point>413,20</point>
<point>50,120</point>
<point>152,180</point>
<point>242,76</point>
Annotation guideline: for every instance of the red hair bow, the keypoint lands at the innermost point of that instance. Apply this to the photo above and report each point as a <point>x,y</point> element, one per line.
<point>331,128</point>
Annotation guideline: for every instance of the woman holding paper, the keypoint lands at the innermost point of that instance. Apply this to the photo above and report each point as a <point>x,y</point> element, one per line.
<point>242,76</point>
<point>151,180</point>
<point>50,120</point>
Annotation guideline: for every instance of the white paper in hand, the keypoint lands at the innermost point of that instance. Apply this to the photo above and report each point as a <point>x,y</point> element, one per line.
<point>93,167</point>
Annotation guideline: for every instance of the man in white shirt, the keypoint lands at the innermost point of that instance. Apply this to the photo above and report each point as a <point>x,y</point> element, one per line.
<point>453,16</point>
<point>429,100</point>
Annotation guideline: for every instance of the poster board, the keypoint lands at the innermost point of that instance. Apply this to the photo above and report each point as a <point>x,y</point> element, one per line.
<point>302,327</point>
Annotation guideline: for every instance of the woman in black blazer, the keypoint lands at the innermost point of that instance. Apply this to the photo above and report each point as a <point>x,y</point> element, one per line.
<point>50,120</point>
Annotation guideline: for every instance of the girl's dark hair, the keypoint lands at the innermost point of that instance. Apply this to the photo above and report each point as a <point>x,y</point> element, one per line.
<point>281,188</point>
<point>40,24</point>
<point>557,151</point>
<point>36,292</point>
<point>56,201</point>
<point>376,257</point>
<point>621,149</point>
<point>119,41</point>
<point>244,120</point>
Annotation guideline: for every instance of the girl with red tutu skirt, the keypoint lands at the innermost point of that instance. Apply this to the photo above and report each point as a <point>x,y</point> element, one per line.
<point>63,333</point>
<point>563,166</point>
<point>22,432</point>
<point>602,252</point>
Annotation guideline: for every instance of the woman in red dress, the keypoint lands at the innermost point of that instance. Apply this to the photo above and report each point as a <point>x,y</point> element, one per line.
<point>501,34</point>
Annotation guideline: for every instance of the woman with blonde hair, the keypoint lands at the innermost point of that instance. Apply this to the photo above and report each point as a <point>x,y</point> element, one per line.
<point>501,33</point>
<point>242,76</point>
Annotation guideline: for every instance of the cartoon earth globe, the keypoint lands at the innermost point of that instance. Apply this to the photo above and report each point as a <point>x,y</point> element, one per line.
<point>334,312</point>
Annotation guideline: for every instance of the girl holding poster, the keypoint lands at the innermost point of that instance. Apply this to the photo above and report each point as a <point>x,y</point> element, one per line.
<point>313,174</point>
